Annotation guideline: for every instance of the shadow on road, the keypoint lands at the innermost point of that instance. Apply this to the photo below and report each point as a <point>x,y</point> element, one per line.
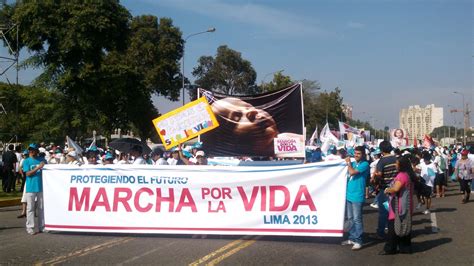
<point>422,221</point>
<point>444,210</point>
<point>429,244</point>
<point>11,227</point>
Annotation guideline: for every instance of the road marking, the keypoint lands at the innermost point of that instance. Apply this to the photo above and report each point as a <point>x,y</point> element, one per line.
<point>434,224</point>
<point>85,251</point>
<point>246,244</point>
<point>146,253</point>
<point>217,252</point>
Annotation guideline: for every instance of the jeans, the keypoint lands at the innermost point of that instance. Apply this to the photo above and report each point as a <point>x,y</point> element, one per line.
<point>30,211</point>
<point>354,216</point>
<point>383,213</point>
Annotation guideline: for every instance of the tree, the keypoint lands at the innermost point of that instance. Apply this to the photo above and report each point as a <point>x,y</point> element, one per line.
<point>227,73</point>
<point>279,81</point>
<point>106,64</point>
<point>42,115</point>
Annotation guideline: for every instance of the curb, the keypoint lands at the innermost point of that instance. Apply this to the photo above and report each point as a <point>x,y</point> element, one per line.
<point>9,203</point>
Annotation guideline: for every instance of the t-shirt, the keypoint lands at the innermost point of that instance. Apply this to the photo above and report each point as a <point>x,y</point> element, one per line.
<point>404,179</point>
<point>428,172</point>
<point>464,169</point>
<point>9,160</point>
<point>373,166</point>
<point>356,183</point>
<point>440,163</point>
<point>161,161</point>
<point>139,160</point>
<point>387,165</point>
<point>34,183</point>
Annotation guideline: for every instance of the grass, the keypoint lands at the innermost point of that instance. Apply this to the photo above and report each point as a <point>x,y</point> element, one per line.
<point>11,195</point>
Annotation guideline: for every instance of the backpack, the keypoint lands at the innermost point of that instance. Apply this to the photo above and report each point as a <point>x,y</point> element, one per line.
<point>442,163</point>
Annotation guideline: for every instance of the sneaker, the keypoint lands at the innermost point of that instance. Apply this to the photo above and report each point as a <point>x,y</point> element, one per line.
<point>418,206</point>
<point>374,205</point>
<point>426,212</point>
<point>31,232</point>
<point>347,242</point>
<point>356,246</point>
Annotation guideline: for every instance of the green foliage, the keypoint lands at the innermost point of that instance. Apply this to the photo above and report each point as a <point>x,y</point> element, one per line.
<point>321,105</point>
<point>227,73</point>
<point>103,64</point>
<point>34,114</point>
<point>279,81</point>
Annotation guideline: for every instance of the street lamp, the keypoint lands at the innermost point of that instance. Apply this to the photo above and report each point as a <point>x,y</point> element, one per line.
<point>189,36</point>
<point>464,116</point>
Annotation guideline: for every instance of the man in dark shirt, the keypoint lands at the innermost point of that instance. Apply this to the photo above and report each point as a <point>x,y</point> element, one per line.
<point>9,161</point>
<point>385,172</point>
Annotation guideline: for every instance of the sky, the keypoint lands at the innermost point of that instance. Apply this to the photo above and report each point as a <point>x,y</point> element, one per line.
<point>384,55</point>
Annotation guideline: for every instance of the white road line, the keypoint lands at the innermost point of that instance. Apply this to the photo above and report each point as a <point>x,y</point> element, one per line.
<point>434,223</point>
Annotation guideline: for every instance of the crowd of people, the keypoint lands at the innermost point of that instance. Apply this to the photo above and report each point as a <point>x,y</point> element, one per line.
<point>395,177</point>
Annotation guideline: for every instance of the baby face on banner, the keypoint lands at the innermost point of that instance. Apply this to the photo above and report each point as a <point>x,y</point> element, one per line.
<point>250,125</point>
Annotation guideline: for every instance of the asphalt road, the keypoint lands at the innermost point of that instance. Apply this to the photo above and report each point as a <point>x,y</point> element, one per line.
<point>446,237</point>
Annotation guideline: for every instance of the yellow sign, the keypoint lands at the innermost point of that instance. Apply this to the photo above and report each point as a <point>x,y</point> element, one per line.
<point>185,123</point>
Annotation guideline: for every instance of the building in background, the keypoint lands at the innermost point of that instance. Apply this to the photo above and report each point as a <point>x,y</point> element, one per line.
<point>418,121</point>
<point>347,110</point>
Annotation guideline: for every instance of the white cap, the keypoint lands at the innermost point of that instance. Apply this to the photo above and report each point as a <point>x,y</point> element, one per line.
<point>200,153</point>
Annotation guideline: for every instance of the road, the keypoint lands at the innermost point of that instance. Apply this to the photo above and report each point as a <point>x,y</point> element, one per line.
<point>443,238</point>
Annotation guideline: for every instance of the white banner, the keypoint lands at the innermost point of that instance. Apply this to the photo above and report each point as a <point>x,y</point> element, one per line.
<point>301,200</point>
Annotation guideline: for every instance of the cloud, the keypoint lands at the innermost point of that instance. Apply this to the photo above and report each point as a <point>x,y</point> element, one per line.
<point>264,17</point>
<point>355,25</point>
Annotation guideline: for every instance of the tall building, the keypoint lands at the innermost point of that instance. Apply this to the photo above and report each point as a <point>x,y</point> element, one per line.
<point>418,121</point>
<point>347,110</point>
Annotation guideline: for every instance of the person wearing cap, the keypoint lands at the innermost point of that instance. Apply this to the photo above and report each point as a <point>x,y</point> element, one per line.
<point>109,158</point>
<point>201,158</point>
<point>175,158</point>
<point>463,171</point>
<point>71,158</point>
<point>32,166</point>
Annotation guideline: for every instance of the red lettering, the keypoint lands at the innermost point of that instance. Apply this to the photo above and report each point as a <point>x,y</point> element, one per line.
<point>101,200</point>
<point>186,200</point>
<point>74,199</point>
<point>248,204</point>
<point>136,200</point>
<point>124,200</point>
<point>263,202</point>
<point>205,191</point>
<point>303,191</point>
<point>160,198</point>
<point>286,199</point>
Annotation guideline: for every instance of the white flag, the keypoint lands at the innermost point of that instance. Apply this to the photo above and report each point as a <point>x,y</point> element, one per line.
<point>326,135</point>
<point>314,136</point>
<point>72,144</point>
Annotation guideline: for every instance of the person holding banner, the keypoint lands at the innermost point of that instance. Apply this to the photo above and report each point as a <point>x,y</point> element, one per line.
<point>34,189</point>
<point>355,196</point>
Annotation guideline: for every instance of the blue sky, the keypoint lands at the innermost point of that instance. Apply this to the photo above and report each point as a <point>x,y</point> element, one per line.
<point>383,54</point>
